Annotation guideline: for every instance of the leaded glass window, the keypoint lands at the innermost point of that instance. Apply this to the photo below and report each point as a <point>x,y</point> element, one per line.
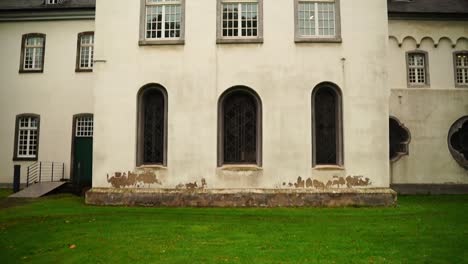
<point>152,126</point>
<point>327,126</point>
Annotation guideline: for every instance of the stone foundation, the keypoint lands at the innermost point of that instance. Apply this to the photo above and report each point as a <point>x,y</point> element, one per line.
<point>371,197</point>
<point>432,189</point>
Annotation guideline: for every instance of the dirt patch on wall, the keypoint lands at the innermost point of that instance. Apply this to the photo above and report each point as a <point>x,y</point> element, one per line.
<point>137,179</point>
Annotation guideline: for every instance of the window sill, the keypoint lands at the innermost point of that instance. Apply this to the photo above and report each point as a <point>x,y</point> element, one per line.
<point>329,168</point>
<point>83,70</point>
<point>31,71</point>
<point>419,86</point>
<point>239,41</point>
<point>160,167</point>
<point>161,42</point>
<point>318,40</point>
<point>24,159</point>
<point>240,167</point>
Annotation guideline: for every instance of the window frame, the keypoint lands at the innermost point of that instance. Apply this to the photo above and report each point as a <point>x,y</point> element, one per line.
<point>220,134</point>
<point>406,143</point>
<point>298,38</point>
<point>140,124</point>
<point>427,82</point>
<point>339,126</point>
<point>457,156</point>
<point>220,39</point>
<point>78,52</point>
<point>23,53</point>
<point>163,41</point>
<point>455,54</point>
<point>16,157</point>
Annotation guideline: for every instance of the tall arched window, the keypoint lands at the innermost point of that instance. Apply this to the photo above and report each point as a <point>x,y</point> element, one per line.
<point>239,119</point>
<point>327,139</point>
<point>152,125</point>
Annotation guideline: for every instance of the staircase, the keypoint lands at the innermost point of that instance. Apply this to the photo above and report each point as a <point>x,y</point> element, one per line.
<point>42,178</point>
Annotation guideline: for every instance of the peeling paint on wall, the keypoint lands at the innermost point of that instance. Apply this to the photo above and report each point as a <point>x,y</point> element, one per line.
<point>192,186</point>
<point>335,182</point>
<point>137,179</point>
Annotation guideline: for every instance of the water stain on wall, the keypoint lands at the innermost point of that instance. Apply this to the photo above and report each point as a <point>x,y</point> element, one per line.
<point>192,186</point>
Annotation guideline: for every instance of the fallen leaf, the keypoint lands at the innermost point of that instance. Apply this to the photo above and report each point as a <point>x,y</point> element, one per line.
<point>72,246</point>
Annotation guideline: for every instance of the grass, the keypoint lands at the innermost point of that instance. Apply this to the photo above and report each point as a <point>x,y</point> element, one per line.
<point>422,229</point>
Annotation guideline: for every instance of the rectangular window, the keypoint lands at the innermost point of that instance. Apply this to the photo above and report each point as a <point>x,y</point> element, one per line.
<point>317,20</point>
<point>240,21</point>
<point>27,137</point>
<point>461,69</point>
<point>162,22</point>
<point>85,53</point>
<point>417,69</point>
<point>32,53</point>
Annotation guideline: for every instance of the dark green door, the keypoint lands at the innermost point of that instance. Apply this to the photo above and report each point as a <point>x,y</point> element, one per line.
<point>83,152</point>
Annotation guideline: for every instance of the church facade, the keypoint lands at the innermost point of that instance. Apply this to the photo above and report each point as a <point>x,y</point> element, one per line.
<point>223,98</point>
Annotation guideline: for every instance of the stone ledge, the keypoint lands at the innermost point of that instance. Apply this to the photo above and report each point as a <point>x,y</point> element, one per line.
<point>433,189</point>
<point>371,197</point>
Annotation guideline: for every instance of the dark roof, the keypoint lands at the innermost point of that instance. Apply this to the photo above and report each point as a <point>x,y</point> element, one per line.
<point>40,4</point>
<point>428,7</point>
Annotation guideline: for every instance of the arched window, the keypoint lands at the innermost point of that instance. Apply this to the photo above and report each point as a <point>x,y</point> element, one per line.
<point>327,139</point>
<point>152,125</point>
<point>399,139</point>
<point>239,121</point>
<point>458,141</point>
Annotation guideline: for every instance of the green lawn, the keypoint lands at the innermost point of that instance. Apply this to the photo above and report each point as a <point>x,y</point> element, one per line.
<point>422,229</point>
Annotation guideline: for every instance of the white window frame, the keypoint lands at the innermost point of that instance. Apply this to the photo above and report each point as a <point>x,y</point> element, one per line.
<point>418,68</point>
<point>463,68</point>
<point>90,55</point>
<point>162,40</point>
<point>28,129</point>
<point>36,67</point>
<point>84,126</point>
<point>335,38</point>
<point>239,38</point>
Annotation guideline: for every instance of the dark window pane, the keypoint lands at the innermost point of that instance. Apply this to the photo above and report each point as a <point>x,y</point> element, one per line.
<point>153,127</point>
<point>326,126</point>
<point>240,129</point>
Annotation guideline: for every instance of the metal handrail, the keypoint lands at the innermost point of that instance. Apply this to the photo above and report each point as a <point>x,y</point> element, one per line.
<point>45,172</point>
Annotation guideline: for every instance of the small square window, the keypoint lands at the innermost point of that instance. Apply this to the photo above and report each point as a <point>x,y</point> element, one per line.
<point>240,21</point>
<point>317,21</point>
<point>162,22</point>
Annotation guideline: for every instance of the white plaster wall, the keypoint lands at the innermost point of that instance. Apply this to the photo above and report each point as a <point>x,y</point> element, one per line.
<point>56,95</point>
<point>427,112</point>
<point>281,72</point>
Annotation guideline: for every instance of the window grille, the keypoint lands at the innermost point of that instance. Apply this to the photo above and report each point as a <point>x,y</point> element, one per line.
<point>316,18</point>
<point>84,126</point>
<point>27,137</point>
<point>153,127</point>
<point>163,19</point>
<point>240,129</point>
<point>461,68</point>
<point>240,18</point>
